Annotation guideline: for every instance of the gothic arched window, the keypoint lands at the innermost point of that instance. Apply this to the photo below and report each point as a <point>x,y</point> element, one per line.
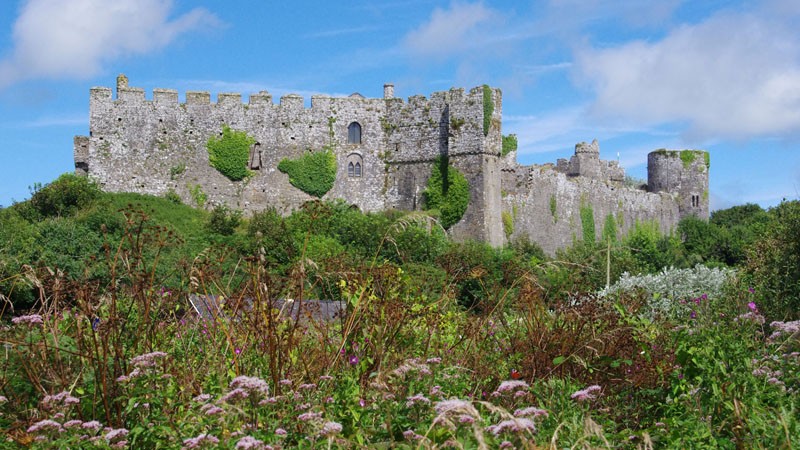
<point>354,133</point>
<point>355,165</point>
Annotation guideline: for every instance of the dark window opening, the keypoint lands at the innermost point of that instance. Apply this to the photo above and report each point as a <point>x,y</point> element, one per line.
<point>255,156</point>
<point>351,171</point>
<point>358,169</point>
<point>354,133</point>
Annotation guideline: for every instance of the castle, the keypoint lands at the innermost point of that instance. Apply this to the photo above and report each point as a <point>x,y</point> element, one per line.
<point>385,151</point>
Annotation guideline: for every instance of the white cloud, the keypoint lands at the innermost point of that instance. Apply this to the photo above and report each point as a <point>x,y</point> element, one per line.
<point>73,38</point>
<point>450,31</point>
<point>732,76</point>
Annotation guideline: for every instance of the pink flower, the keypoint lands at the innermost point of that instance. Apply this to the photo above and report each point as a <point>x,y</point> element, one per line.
<point>353,360</point>
<point>752,306</point>
<point>33,319</point>
<point>586,394</point>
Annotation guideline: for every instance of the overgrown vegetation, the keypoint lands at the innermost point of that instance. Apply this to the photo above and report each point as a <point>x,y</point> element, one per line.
<point>447,192</point>
<point>440,343</point>
<point>587,223</point>
<point>313,173</point>
<point>230,153</point>
<point>509,144</point>
<point>488,109</point>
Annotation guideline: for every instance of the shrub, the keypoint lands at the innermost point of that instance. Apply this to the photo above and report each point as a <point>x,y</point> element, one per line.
<point>773,264</point>
<point>223,221</point>
<point>230,152</point>
<point>313,173</point>
<point>64,196</point>
<point>509,144</point>
<point>587,224</point>
<point>448,192</point>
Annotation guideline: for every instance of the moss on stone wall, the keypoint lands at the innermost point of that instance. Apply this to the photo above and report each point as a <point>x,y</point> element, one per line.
<point>447,192</point>
<point>509,144</point>
<point>313,173</point>
<point>488,109</point>
<point>230,152</point>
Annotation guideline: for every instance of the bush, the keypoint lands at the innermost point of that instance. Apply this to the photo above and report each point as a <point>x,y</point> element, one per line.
<point>230,153</point>
<point>67,194</point>
<point>447,192</point>
<point>509,144</point>
<point>773,264</point>
<point>313,174</point>
<point>223,221</point>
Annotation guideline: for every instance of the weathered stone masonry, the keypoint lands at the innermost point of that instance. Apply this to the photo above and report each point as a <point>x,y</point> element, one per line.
<point>159,145</point>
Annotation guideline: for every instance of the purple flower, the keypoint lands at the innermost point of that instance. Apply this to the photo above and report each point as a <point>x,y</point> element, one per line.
<point>116,434</point>
<point>280,432</point>
<point>33,319</point>
<point>331,428</point>
<point>586,394</point>
<point>197,442</point>
<point>752,306</point>
<point>693,314</point>
<point>45,425</point>
<point>353,360</point>
<point>249,442</point>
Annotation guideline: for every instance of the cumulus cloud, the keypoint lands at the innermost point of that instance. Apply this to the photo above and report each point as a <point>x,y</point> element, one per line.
<point>74,38</point>
<point>735,75</point>
<point>450,31</point>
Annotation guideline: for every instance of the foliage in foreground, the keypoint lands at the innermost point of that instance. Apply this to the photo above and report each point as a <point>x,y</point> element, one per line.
<point>123,361</point>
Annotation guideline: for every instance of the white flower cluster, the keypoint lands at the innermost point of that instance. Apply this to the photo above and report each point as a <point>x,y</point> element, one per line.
<point>671,285</point>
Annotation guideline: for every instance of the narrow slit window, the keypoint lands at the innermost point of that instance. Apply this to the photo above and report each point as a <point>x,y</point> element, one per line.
<point>354,133</point>
<point>351,171</point>
<point>358,169</point>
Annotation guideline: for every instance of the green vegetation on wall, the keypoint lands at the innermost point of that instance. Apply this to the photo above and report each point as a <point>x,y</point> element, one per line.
<point>447,192</point>
<point>587,223</point>
<point>508,224</point>
<point>313,173</point>
<point>509,144</point>
<point>553,208</point>
<point>230,152</point>
<point>488,109</point>
<point>198,196</point>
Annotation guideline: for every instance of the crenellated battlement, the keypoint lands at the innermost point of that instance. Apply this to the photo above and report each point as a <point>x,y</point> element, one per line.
<point>385,149</point>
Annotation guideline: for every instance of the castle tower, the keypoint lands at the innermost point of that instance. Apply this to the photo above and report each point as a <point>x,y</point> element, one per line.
<point>684,173</point>
<point>388,91</point>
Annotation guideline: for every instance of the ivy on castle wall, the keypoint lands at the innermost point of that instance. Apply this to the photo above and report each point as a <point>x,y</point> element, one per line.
<point>488,109</point>
<point>509,144</point>
<point>230,152</point>
<point>587,223</point>
<point>313,173</point>
<point>447,192</point>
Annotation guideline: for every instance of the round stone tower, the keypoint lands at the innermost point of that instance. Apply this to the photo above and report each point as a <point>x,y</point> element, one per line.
<point>683,173</point>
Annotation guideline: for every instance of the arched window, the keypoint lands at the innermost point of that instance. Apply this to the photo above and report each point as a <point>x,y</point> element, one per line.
<point>355,165</point>
<point>354,133</point>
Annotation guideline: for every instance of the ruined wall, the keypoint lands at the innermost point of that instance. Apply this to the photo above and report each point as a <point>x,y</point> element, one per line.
<point>160,145</point>
<point>545,205</point>
<point>684,173</point>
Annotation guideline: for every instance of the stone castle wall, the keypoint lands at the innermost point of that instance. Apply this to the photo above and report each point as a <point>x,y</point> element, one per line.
<point>159,145</point>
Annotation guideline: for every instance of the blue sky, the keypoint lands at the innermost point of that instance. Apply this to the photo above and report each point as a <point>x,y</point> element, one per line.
<point>723,76</point>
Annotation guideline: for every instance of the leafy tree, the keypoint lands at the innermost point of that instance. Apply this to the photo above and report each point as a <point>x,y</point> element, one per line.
<point>773,264</point>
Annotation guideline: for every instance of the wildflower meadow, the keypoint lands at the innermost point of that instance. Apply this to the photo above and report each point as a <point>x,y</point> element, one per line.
<point>436,344</point>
